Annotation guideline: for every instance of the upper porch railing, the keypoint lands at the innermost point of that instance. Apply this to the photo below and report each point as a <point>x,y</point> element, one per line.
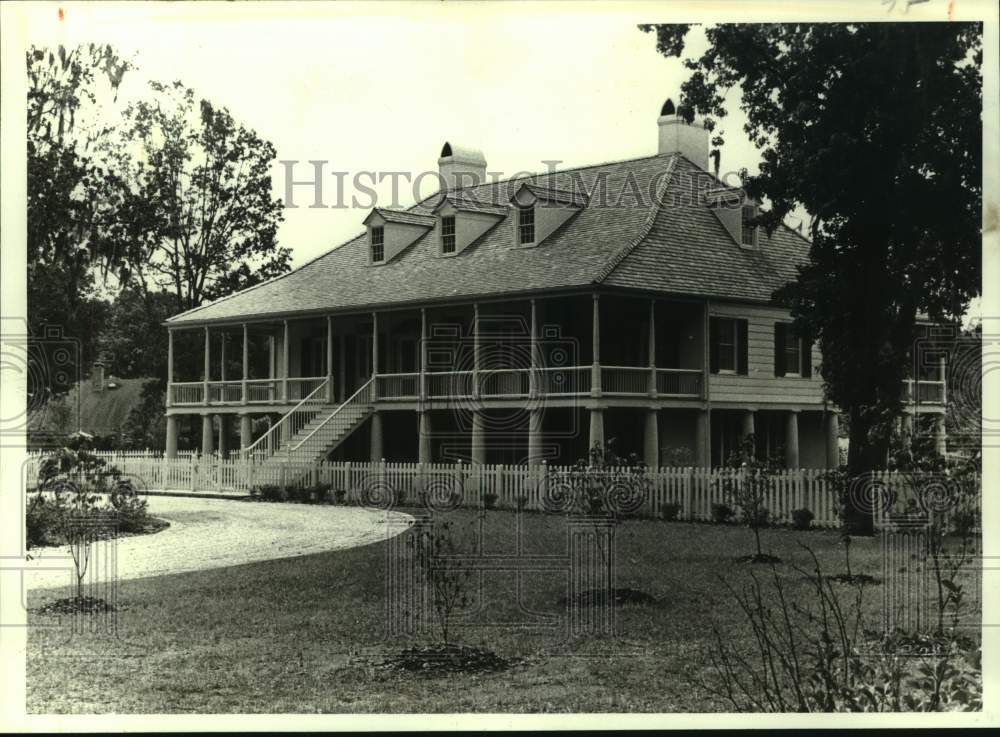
<point>239,392</point>
<point>923,392</point>
<point>507,383</point>
<point>517,383</point>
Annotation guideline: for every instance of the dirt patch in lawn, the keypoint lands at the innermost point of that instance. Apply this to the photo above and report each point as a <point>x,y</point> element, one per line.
<point>759,558</point>
<point>76,605</point>
<point>856,578</point>
<point>437,659</point>
<point>618,597</point>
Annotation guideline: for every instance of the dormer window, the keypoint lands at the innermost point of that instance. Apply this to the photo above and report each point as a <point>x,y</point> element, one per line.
<point>448,234</point>
<point>378,244</point>
<point>749,232</point>
<point>526,225</point>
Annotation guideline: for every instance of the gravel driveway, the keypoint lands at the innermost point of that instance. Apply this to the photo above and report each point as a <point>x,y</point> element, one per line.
<point>214,533</point>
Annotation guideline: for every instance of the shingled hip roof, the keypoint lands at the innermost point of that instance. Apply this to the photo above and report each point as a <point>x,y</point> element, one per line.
<point>637,229</point>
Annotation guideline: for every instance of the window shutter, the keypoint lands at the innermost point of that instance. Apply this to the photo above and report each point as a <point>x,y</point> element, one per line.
<point>806,358</point>
<point>742,350</point>
<point>713,345</point>
<point>779,348</point>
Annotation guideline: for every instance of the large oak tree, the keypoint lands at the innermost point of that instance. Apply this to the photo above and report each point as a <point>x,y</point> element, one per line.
<point>876,131</point>
<point>198,218</point>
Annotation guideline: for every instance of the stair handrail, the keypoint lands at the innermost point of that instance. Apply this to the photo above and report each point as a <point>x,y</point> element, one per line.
<point>333,414</point>
<point>274,428</point>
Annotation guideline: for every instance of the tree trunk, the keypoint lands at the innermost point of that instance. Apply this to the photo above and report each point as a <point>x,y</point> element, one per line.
<point>862,459</point>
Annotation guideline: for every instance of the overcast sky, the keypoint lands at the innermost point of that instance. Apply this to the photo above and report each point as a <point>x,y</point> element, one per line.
<point>384,91</point>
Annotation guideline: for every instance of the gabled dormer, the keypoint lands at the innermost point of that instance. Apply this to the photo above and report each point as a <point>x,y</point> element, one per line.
<point>462,220</point>
<point>540,210</point>
<point>736,213</point>
<point>390,232</point>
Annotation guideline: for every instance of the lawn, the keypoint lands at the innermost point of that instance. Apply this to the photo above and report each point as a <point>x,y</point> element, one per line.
<point>308,635</point>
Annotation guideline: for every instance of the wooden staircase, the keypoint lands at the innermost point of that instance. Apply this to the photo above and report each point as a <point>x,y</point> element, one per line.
<point>311,429</point>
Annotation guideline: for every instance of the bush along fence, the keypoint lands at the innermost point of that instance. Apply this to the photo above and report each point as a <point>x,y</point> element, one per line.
<point>693,494</point>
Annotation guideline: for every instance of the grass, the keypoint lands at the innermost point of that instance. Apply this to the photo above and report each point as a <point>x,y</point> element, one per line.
<point>101,412</point>
<point>306,634</point>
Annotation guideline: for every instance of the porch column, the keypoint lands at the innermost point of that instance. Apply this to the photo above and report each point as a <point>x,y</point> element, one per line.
<point>792,439</point>
<point>747,427</point>
<point>596,430</point>
<point>832,439</point>
<point>703,439</point>
<point>246,363</point>
<point>944,379</point>
<point>651,439</point>
<point>222,353</point>
<point>940,435</point>
<point>374,393</point>
<point>423,357</point>
<point>207,441</point>
<point>376,443</point>
<point>478,437</point>
<point>206,377</point>
<point>424,453</point>
<point>476,353</point>
<point>652,348</point>
<point>533,347</point>
<point>595,369</point>
<point>170,366</point>
<point>706,352</point>
<point>329,359</point>
<point>171,449</point>
<point>246,432</point>
<point>284,359</point>
<point>342,366</point>
<point>906,426</point>
<point>535,436</point>
<point>223,436</point>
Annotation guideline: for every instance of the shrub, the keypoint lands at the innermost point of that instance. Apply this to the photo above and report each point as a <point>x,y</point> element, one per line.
<point>802,518</point>
<point>43,520</point>
<point>399,498</point>
<point>303,494</point>
<point>490,499</point>
<point>722,513</point>
<point>821,656</point>
<point>671,511</point>
<point>340,495</point>
<point>129,508</point>
<point>269,493</point>
<point>522,502</point>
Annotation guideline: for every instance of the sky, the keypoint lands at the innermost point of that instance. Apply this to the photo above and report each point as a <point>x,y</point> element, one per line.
<point>384,89</point>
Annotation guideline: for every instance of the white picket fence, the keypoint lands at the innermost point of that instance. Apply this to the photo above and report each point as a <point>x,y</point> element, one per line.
<point>535,488</point>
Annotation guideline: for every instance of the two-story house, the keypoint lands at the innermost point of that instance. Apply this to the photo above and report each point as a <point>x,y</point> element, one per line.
<point>526,319</point>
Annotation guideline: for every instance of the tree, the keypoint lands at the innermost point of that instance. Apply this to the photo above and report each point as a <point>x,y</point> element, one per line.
<point>197,217</point>
<point>133,339</point>
<point>69,195</point>
<point>145,426</point>
<point>875,130</point>
<point>748,490</point>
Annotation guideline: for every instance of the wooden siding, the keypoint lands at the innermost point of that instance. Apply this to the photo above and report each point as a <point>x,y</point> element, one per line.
<point>760,385</point>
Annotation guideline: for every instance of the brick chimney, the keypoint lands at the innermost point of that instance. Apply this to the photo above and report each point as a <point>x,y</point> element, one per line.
<point>461,167</point>
<point>677,135</point>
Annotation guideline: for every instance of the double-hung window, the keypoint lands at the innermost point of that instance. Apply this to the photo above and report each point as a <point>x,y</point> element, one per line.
<point>526,225</point>
<point>378,244</point>
<point>728,345</point>
<point>448,234</point>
